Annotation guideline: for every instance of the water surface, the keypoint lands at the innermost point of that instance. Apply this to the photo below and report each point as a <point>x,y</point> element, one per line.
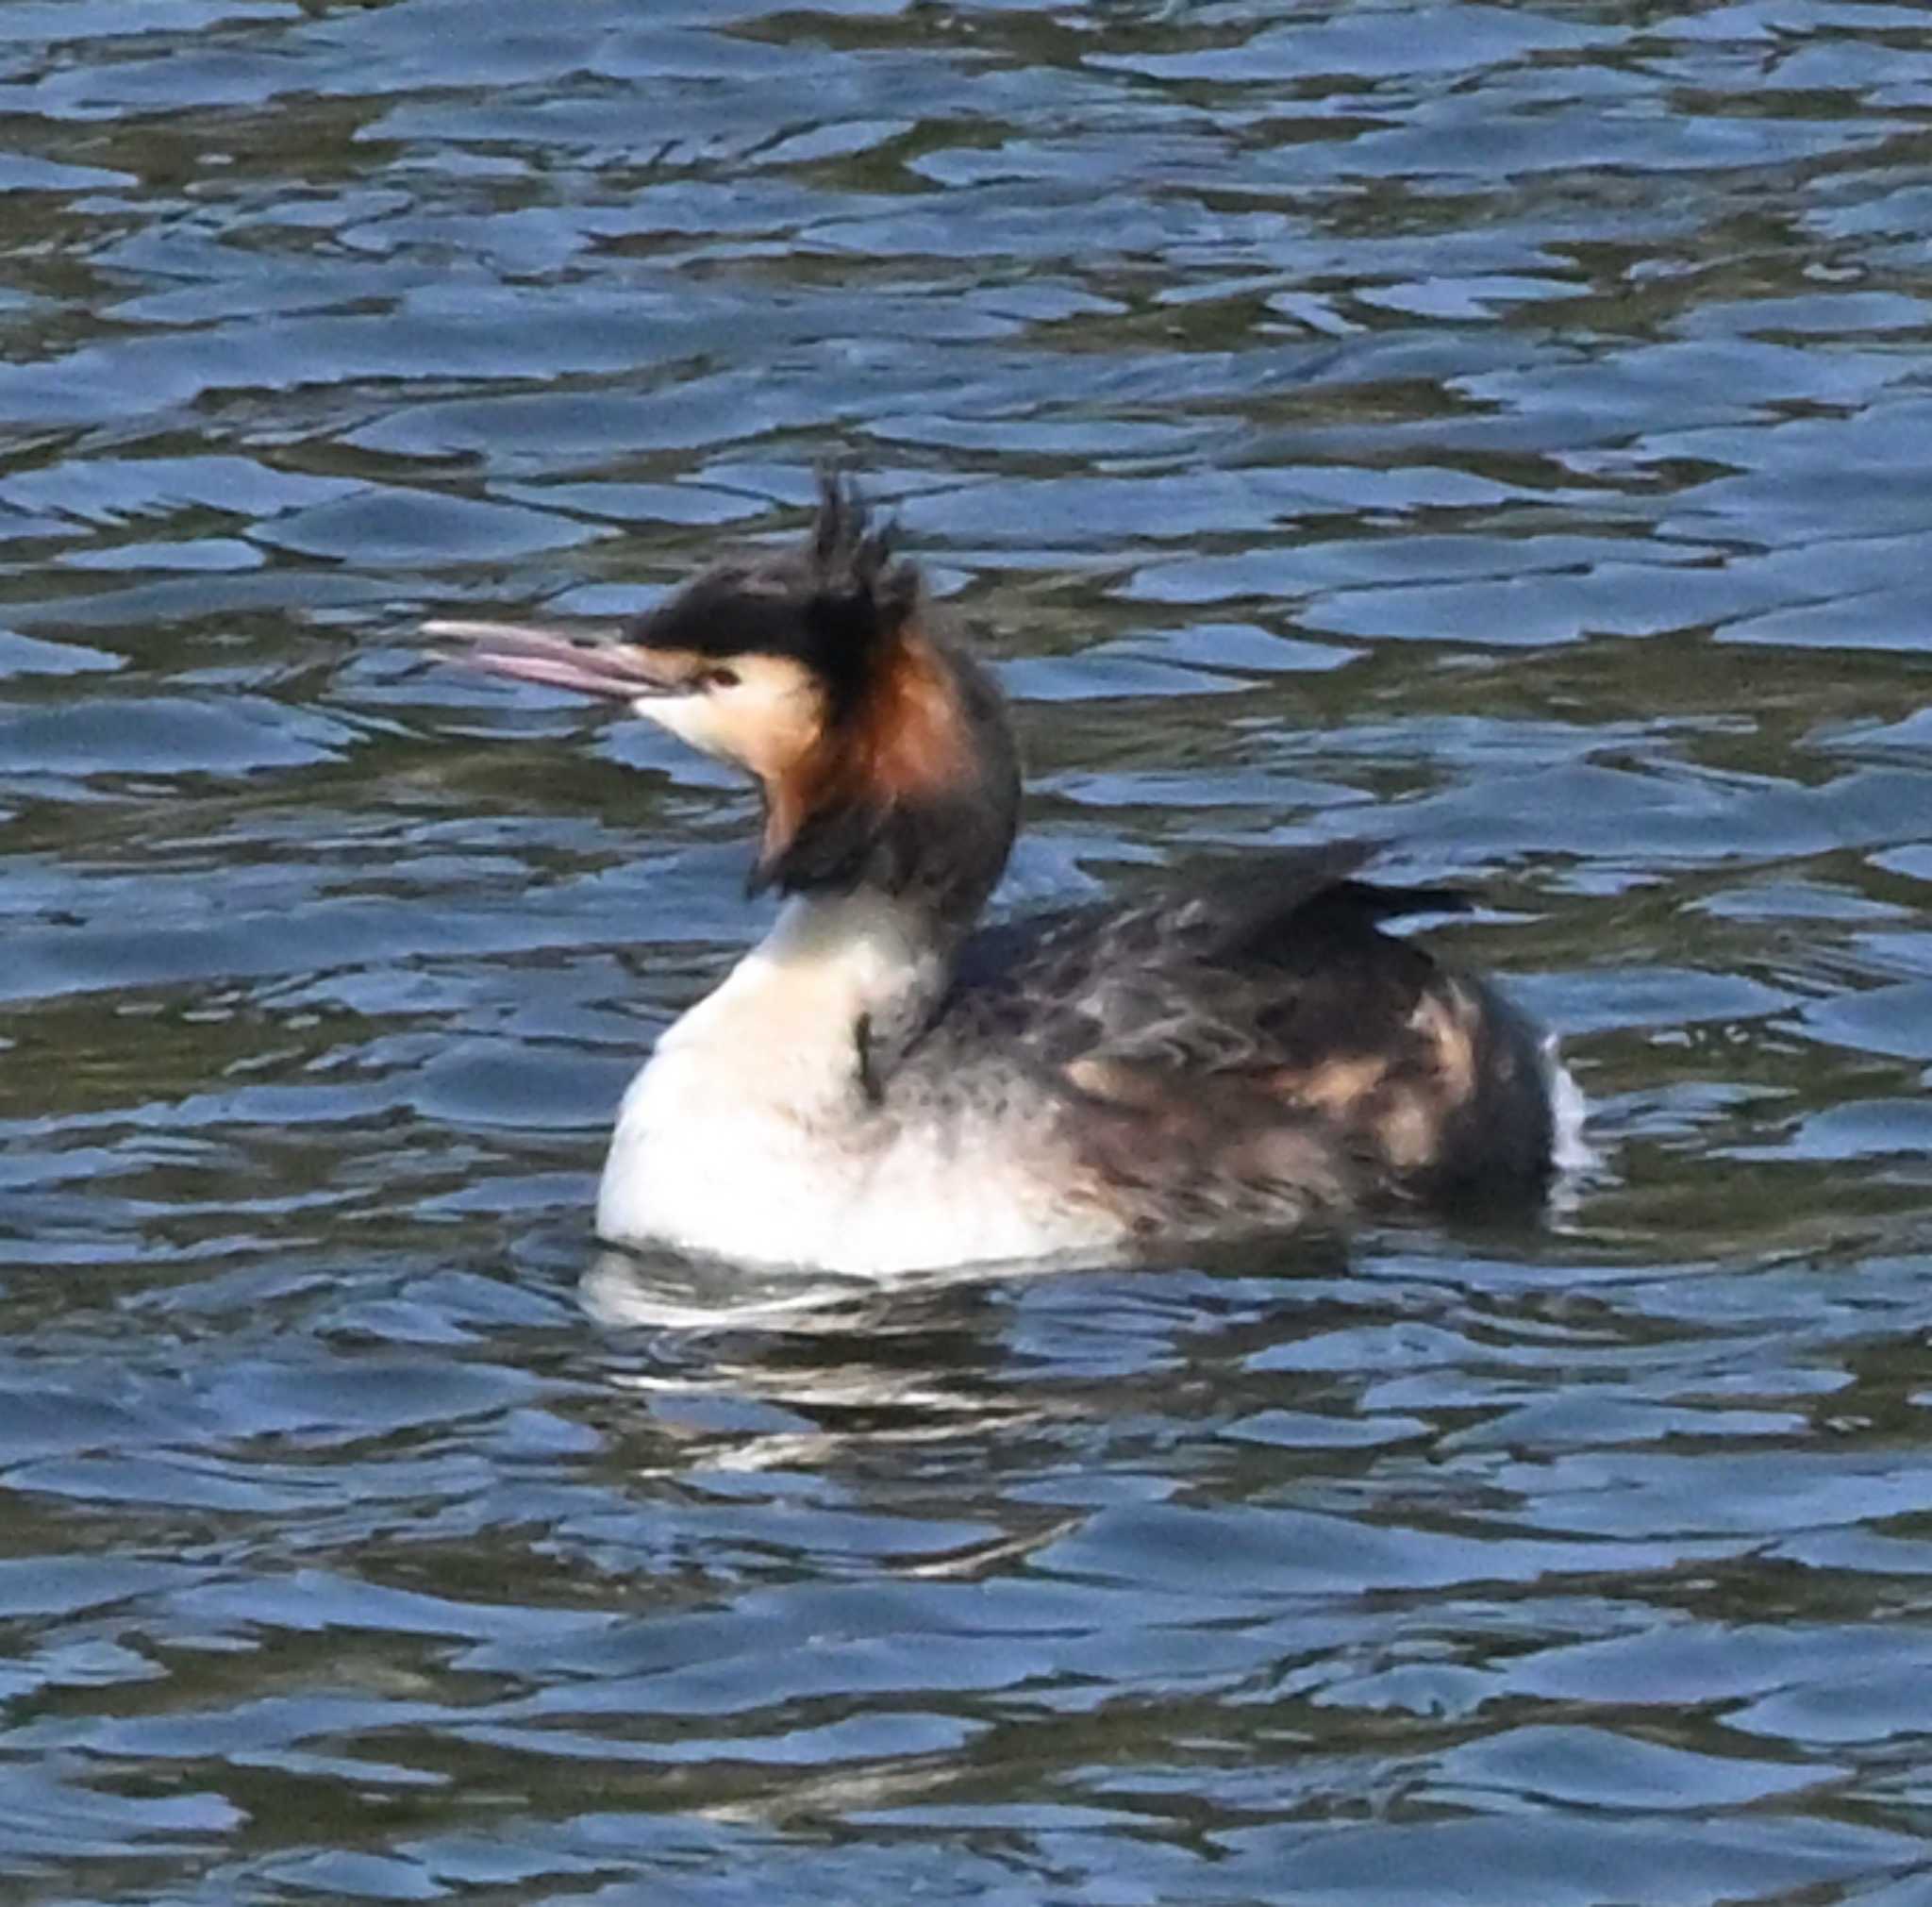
<point>1499,431</point>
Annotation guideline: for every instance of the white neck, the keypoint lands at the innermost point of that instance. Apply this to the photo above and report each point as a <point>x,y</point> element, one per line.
<point>783,1028</point>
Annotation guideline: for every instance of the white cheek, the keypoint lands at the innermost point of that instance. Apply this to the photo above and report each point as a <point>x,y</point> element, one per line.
<point>760,724</point>
<point>694,719</point>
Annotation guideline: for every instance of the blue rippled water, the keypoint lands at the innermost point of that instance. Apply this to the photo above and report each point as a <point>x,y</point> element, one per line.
<point>1497,429</point>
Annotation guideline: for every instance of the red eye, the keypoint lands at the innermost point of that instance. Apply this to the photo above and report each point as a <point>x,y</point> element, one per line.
<point>721,679</point>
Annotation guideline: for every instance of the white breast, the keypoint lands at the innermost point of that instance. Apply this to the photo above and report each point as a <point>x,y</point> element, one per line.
<point>742,1178</point>
<point>748,1136</point>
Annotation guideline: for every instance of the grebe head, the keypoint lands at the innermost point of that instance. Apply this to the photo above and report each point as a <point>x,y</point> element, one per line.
<point>880,747</point>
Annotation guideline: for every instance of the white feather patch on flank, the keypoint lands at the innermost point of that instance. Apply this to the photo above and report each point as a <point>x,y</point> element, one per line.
<point>1570,1150</point>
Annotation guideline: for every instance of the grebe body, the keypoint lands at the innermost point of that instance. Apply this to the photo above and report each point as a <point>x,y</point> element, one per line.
<point>882,1086</point>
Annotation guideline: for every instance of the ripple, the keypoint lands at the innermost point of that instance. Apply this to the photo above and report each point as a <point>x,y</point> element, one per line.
<point>1599,1769</point>
<point>393,525</point>
<point>160,734</point>
<point>30,656</point>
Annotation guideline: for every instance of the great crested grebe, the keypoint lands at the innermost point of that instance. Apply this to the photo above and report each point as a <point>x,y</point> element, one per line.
<point>879,1086</point>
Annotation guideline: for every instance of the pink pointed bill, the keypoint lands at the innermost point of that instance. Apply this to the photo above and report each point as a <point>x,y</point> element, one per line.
<point>533,653</point>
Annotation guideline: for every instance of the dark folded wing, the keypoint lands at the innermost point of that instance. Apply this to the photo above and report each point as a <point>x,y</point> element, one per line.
<point>1276,963</point>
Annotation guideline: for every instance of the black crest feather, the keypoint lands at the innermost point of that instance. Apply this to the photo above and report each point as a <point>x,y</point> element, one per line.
<point>851,564</point>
